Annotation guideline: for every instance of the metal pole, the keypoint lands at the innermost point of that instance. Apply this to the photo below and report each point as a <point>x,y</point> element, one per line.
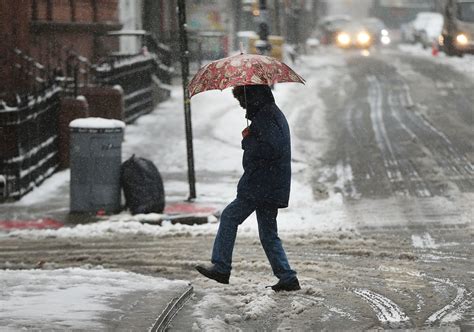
<point>263,46</point>
<point>183,43</point>
<point>237,21</point>
<point>277,18</point>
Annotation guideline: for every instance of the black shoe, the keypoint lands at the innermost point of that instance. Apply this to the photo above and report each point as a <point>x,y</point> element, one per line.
<point>211,273</point>
<point>292,285</point>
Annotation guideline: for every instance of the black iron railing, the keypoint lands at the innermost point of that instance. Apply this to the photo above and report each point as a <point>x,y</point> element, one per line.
<point>29,115</point>
<point>67,66</point>
<point>29,141</point>
<point>133,75</point>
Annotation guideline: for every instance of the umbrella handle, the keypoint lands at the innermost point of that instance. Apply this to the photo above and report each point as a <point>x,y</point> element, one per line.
<point>241,45</point>
<point>245,98</point>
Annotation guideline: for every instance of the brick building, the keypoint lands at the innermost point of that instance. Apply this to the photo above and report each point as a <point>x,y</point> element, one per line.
<point>42,28</point>
<point>53,51</point>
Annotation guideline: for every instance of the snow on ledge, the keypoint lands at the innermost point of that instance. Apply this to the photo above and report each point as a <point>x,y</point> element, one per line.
<point>97,123</point>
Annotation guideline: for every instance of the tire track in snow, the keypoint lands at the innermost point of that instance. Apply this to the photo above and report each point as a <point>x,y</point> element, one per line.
<point>455,309</point>
<point>421,189</point>
<point>315,300</point>
<point>394,166</point>
<point>381,136</point>
<point>388,312</point>
<point>458,166</point>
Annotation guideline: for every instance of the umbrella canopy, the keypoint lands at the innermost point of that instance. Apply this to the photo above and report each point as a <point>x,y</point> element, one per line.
<point>242,69</point>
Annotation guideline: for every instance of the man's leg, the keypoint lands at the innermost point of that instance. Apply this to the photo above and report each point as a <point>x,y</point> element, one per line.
<point>232,216</point>
<point>268,232</point>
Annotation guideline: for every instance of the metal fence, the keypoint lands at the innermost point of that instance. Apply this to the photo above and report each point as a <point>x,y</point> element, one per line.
<point>29,141</point>
<point>29,117</point>
<point>133,74</point>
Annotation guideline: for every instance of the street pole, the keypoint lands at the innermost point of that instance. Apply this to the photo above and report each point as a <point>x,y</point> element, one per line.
<point>183,43</point>
<point>262,45</point>
<point>277,18</point>
<point>237,21</point>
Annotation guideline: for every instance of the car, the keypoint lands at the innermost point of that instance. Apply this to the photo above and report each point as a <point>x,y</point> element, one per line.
<point>420,22</point>
<point>329,27</point>
<point>312,43</point>
<point>458,31</point>
<point>378,29</point>
<point>355,35</point>
<point>431,31</point>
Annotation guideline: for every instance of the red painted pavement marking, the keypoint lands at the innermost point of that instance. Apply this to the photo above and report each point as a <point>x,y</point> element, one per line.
<point>188,208</point>
<point>30,224</point>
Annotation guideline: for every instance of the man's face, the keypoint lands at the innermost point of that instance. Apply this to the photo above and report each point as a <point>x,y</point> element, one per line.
<point>239,94</point>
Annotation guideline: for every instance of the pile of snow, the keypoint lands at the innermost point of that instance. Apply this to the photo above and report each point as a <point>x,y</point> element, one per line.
<point>464,65</point>
<point>48,189</point>
<point>304,217</point>
<point>73,298</point>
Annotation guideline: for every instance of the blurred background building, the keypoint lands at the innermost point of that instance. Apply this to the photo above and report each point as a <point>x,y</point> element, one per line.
<point>355,8</point>
<point>396,12</point>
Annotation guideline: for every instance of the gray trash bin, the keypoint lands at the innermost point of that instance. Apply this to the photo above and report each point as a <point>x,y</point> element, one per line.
<point>95,160</point>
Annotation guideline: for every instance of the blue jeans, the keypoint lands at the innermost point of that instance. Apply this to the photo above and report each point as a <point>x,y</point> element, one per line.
<point>235,214</point>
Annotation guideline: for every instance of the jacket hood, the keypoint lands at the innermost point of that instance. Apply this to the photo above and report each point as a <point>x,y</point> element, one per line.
<point>256,97</point>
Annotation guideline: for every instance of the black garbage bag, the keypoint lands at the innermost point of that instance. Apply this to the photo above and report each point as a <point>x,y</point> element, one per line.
<point>142,186</point>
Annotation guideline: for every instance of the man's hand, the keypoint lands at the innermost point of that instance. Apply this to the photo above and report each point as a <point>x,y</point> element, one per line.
<point>245,132</point>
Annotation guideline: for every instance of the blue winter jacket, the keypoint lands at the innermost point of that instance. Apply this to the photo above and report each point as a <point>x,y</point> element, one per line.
<point>267,158</point>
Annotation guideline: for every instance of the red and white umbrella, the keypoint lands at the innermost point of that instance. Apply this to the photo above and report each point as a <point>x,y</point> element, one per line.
<point>242,69</point>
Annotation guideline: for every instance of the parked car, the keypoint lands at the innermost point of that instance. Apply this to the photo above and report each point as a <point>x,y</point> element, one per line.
<point>420,22</point>
<point>431,31</point>
<point>458,29</point>
<point>378,30</point>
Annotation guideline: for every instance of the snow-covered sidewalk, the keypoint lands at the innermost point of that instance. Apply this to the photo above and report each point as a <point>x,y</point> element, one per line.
<point>217,123</point>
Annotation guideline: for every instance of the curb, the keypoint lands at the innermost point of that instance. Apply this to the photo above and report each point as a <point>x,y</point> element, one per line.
<point>173,307</point>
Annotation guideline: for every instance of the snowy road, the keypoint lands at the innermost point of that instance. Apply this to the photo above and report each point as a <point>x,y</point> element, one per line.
<point>390,278</point>
<point>404,129</point>
<point>380,223</point>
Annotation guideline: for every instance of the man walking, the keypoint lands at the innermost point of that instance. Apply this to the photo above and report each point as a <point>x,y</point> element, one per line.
<point>263,188</point>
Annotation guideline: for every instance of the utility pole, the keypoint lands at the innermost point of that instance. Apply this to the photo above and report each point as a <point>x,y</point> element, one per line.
<point>277,18</point>
<point>183,43</point>
<point>237,21</point>
<point>263,46</point>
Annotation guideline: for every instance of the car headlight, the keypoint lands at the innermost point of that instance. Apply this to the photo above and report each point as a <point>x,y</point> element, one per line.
<point>385,40</point>
<point>363,38</point>
<point>343,39</point>
<point>384,32</point>
<point>462,39</point>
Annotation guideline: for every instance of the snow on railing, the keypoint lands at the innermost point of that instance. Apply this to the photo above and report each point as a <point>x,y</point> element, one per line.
<point>3,187</point>
<point>29,153</point>
<point>118,63</point>
<point>134,75</point>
